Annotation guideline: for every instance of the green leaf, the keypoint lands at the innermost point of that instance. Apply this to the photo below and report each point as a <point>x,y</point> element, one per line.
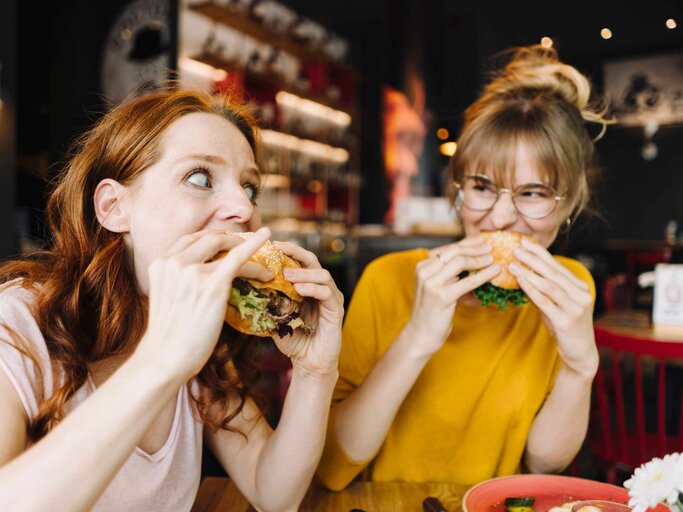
<point>491,294</point>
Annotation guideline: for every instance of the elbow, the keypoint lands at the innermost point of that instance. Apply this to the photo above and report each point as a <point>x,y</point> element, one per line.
<point>278,508</point>
<point>332,485</point>
<point>331,480</point>
<point>293,508</point>
<point>546,464</point>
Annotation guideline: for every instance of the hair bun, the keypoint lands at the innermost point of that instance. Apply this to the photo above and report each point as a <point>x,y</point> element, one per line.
<point>536,68</point>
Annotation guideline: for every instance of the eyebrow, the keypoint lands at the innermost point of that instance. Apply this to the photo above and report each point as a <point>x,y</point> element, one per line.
<point>217,160</point>
<point>488,178</point>
<point>212,159</point>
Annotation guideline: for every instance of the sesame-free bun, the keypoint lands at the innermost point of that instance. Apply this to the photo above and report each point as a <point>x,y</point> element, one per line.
<point>503,244</point>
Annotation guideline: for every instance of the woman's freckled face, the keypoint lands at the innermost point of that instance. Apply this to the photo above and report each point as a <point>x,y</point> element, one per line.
<point>206,178</point>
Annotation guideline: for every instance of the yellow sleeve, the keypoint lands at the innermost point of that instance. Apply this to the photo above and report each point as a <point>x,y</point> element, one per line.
<point>380,307</point>
<point>357,358</point>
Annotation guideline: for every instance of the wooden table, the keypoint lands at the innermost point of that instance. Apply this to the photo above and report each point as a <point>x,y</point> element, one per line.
<point>637,323</point>
<point>220,494</point>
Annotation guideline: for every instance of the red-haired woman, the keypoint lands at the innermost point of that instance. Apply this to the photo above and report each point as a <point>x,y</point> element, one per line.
<point>114,358</point>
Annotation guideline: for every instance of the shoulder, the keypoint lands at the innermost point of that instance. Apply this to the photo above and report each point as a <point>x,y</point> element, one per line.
<point>18,326</point>
<point>15,301</point>
<point>23,352</point>
<point>386,281</point>
<point>579,270</point>
<point>395,264</point>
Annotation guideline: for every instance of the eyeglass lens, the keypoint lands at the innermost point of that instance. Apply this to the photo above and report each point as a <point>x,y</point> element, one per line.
<point>534,200</point>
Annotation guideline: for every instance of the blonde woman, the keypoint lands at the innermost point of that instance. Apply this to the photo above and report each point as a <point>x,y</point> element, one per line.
<point>435,387</point>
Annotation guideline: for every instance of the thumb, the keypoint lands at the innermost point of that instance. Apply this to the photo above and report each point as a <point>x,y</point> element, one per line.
<point>229,266</point>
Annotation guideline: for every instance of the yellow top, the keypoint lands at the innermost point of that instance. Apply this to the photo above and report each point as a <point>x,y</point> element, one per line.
<point>468,415</point>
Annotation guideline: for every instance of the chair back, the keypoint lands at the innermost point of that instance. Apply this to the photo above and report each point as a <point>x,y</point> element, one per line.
<point>630,423</point>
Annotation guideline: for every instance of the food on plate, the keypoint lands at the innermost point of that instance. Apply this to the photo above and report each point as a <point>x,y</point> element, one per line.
<point>504,288</point>
<point>520,504</point>
<point>526,504</point>
<point>568,506</point>
<point>565,507</point>
<point>265,308</point>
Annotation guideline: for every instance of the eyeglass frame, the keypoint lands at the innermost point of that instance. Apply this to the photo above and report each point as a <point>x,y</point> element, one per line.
<point>512,192</point>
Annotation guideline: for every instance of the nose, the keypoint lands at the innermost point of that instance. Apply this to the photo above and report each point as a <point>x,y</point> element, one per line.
<point>504,213</point>
<point>235,207</point>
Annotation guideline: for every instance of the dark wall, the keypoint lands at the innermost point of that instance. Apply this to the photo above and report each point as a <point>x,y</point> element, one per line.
<point>638,197</point>
<point>59,57</point>
<point>58,69</point>
<point>8,238</point>
<point>369,58</point>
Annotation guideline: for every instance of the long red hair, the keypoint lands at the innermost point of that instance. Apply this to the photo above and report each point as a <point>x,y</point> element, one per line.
<point>86,302</point>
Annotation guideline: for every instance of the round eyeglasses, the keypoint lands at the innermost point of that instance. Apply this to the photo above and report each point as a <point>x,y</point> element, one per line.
<point>533,200</point>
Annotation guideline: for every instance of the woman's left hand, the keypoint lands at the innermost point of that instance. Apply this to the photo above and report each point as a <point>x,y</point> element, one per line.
<point>565,303</point>
<point>318,351</point>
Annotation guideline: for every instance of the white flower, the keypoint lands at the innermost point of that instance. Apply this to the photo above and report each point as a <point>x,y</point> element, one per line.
<point>656,481</point>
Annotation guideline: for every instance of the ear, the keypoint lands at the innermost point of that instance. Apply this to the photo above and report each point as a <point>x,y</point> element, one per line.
<point>108,206</point>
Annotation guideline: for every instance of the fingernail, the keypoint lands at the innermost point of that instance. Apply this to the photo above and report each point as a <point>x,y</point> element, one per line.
<point>514,268</point>
<point>519,253</point>
<point>488,259</point>
<point>496,267</point>
<point>288,273</point>
<point>526,243</point>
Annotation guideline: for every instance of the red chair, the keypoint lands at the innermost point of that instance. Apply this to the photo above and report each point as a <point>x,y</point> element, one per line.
<point>620,416</point>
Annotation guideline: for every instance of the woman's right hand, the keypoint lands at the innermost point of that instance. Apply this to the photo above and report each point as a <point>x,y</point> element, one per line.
<point>189,295</point>
<point>438,288</point>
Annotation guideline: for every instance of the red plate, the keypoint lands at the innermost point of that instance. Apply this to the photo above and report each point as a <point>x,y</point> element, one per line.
<point>549,491</point>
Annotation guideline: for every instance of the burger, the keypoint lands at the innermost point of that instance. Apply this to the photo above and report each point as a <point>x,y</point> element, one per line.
<point>265,308</point>
<point>504,288</point>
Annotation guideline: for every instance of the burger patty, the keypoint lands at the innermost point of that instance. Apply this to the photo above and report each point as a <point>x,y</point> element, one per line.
<point>279,305</point>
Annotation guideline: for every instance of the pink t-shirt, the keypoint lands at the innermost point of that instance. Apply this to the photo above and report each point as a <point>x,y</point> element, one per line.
<point>165,480</point>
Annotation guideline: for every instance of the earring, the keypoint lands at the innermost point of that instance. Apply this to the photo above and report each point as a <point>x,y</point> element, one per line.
<point>566,225</point>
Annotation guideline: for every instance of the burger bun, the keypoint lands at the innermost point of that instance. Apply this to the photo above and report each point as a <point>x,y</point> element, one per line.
<point>503,245</point>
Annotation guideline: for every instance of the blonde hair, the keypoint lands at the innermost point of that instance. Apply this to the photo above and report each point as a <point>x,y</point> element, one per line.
<point>537,100</point>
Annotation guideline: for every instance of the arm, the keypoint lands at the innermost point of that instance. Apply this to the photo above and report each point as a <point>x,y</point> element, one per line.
<point>273,469</point>
<point>84,452</point>
<point>13,422</point>
<point>363,418</point>
<point>71,456</point>
<point>559,429</point>
<point>565,302</point>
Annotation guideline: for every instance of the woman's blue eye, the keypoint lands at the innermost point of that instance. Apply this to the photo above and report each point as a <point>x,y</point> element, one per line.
<point>200,179</point>
<point>252,191</point>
